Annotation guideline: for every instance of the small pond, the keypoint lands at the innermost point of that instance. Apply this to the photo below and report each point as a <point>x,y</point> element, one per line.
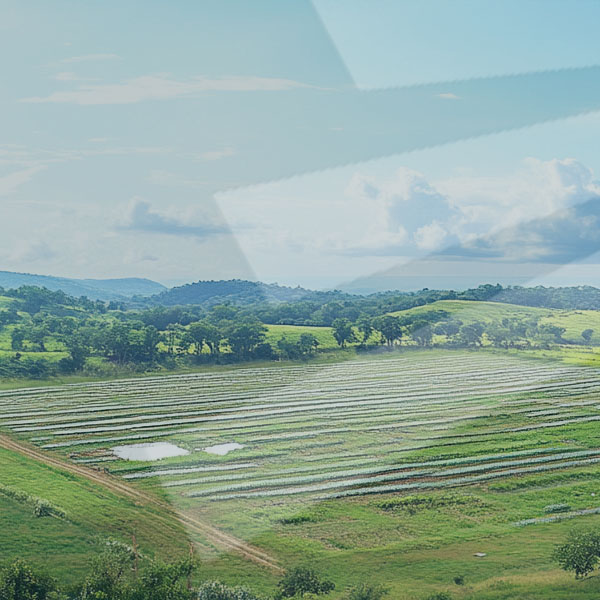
<point>150,451</point>
<point>223,449</point>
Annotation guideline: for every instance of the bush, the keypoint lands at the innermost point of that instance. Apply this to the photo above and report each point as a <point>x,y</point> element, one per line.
<point>214,590</point>
<point>19,581</point>
<point>557,508</point>
<point>365,591</point>
<point>300,581</point>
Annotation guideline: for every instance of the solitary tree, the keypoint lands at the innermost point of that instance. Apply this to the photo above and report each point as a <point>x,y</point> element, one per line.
<point>580,553</point>
<point>587,335</point>
<point>343,332</point>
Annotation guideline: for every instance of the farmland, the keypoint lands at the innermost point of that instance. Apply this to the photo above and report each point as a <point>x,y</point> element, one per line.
<point>384,462</point>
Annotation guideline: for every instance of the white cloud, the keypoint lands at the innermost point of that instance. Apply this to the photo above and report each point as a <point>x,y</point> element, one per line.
<point>66,76</point>
<point>89,57</point>
<point>448,96</point>
<point>192,221</point>
<point>9,183</point>
<point>217,154</point>
<point>537,189</point>
<point>26,252</point>
<point>430,237</point>
<point>163,87</point>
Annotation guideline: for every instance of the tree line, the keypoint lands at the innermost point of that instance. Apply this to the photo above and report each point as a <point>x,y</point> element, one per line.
<point>95,334</point>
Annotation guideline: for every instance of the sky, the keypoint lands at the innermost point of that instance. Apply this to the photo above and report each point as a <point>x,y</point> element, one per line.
<point>369,145</point>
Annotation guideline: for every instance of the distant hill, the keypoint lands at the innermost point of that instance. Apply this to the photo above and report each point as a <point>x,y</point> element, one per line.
<point>468,311</point>
<point>95,289</point>
<point>238,291</point>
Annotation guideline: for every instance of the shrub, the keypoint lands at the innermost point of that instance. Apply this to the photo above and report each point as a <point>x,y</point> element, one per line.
<point>300,581</point>
<point>214,590</point>
<point>557,508</point>
<point>366,591</point>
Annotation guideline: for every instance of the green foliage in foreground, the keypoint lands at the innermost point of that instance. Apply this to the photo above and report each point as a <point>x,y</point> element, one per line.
<point>115,575</point>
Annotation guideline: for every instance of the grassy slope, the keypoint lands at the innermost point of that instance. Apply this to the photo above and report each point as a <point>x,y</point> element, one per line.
<point>574,321</point>
<point>293,333</point>
<point>65,547</point>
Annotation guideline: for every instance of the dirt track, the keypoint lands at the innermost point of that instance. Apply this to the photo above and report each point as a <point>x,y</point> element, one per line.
<point>216,536</point>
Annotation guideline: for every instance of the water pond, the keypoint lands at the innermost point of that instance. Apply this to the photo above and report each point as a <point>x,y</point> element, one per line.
<point>149,451</point>
<point>223,449</point>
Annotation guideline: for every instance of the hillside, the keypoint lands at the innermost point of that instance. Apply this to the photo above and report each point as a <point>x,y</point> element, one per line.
<point>95,289</point>
<point>235,290</point>
<point>574,321</point>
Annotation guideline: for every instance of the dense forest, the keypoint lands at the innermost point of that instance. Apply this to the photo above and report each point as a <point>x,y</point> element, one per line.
<point>226,322</point>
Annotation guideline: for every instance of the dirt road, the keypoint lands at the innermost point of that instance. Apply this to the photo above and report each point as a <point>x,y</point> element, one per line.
<point>117,486</point>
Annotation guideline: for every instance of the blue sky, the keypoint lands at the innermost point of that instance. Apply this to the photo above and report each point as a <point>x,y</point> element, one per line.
<point>300,143</point>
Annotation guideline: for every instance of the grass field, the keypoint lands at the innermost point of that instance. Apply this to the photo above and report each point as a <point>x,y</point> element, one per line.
<point>388,463</point>
<point>293,333</point>
<point>574,321</point>
<point>94,515</point>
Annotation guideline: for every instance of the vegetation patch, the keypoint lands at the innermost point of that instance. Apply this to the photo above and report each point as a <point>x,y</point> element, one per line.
<point>40,507</point>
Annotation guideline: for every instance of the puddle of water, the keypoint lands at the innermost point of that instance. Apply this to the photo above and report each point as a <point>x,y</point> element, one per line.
<point>223,449</point>
<point>150,451</point>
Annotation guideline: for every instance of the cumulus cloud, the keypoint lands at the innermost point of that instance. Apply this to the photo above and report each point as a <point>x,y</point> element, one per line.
<point>163,87</point>
<point>565,236</point>
<point>407,213</point>
<point>430,237</point>
<point>544,211</point>
<point>26,252</point>
<point>140,216</point>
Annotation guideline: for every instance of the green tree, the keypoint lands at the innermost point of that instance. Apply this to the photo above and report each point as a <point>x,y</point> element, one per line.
<point>109,576</point>
<point>587,334</point>
<point>449,328</point>
<point>198,333</point>
<point>580,552</point>
<point>17,337</point>
<point>343,332</point>
<point>365,326</point>
<point>389,327</point>
<point>470,334</point>
<point>18,581</point>
<point>301,581</point>
<point>308,343</point>
<point>421,332</point>
<point>162,581</point>
<point>244,337</point>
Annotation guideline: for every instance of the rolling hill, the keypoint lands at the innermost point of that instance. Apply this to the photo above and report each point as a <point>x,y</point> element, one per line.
<point>574,321</point>
<point>95,289</point>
